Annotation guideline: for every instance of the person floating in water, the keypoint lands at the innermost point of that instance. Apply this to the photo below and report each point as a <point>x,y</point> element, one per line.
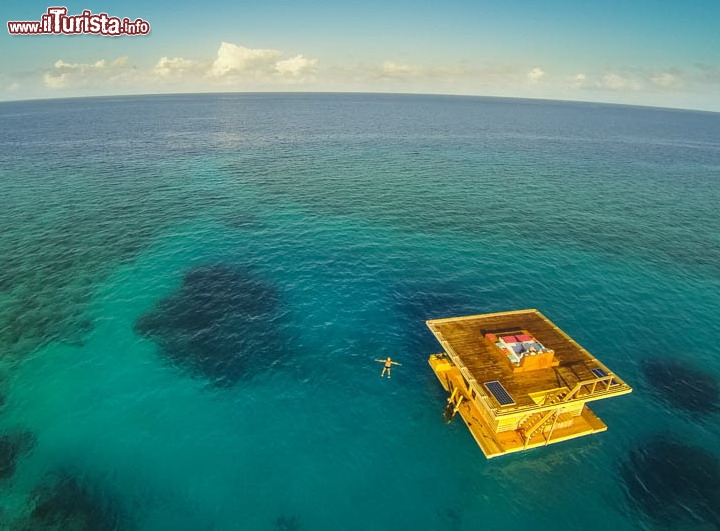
<point>388,366</point>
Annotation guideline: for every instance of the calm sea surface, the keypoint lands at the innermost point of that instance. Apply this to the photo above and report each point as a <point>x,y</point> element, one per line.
<point>193,291</point>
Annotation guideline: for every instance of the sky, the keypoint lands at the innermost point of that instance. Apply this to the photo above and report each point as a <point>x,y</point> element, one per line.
<point>641,52</point>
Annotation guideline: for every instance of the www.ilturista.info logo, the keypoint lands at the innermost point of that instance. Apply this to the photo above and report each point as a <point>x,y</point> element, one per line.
<point>57,22</point>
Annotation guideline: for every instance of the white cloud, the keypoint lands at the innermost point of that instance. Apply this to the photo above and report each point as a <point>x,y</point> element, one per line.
<point>176,67</point>
<point>238,64</point>
<point>55,80</point>
<point>618,82</point>
<point>234,66</point>
<point>708,73</point>
<point>633,80</point>
<point>535,75</point>
<point>665,80</point>
<point>237,67</point>
<point>614,81</point>
<point>392,69</point>
<point>296,67</point>
<point>64,74</point>
<point>234,60</point>
<point>579,80</point>
<point>120,61</point>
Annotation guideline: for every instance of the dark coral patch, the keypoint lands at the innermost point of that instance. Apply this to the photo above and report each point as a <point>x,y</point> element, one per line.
<point>12,447</point>
<point>64,502</point>
<point>218,325</point>
<point>4,385</point>
<point>288,523</point>
<point>683,386</point>
<point>675,485</point>
<point>452,519</point>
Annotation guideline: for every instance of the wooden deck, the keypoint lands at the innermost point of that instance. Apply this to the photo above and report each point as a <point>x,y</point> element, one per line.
<point>548,404</point>
<point>463,337</point>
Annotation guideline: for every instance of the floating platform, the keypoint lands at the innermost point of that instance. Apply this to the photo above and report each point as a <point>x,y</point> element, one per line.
<point>518,381</point>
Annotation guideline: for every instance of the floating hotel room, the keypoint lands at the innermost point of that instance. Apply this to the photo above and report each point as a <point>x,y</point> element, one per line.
<point>518,381</point>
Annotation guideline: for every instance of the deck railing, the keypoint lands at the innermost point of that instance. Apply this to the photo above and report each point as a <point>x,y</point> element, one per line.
<point>592,384</point>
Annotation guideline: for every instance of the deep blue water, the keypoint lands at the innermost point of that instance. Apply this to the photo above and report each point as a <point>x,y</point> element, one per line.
<point>193,291</point>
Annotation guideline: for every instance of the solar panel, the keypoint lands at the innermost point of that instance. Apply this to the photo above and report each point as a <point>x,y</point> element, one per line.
<point>598,372</point>
<point>499,392</point>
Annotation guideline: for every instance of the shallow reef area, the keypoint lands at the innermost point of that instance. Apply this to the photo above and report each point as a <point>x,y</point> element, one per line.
<point>65,502</point>
<point>682,386</point>
<point>13,446</point>
<point>218,325</point>
<point>288,523</point>
<point>674,485</point>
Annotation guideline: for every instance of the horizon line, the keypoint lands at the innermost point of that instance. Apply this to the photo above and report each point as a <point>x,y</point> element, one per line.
<point>330,92</point>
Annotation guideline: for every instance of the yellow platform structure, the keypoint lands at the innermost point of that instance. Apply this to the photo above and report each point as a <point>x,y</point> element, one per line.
<point>518,381</point>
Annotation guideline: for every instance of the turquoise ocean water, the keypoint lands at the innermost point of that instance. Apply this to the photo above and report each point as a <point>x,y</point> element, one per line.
<point>193,291</point>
